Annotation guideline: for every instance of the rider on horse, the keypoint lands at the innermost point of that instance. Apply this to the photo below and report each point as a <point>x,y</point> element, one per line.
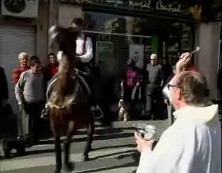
<point>84,54</point>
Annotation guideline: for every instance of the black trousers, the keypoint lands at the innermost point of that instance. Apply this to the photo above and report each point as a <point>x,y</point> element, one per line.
<point>34,111</point>
<point>153,95</point>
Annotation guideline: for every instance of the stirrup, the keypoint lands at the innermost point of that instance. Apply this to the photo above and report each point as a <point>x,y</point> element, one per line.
<point>97,112</point>
<point>45,113</point>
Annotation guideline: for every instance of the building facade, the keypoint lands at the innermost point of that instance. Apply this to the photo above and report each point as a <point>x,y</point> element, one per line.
<point>120,30</point>
<point>23,27</point>
<point>133,29</point>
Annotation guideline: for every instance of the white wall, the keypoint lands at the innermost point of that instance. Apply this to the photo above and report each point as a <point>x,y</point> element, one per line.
<point>207,37</point>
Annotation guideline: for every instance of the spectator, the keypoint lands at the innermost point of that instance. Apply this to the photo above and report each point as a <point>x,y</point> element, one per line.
<point>3,89</point>
<point>52,66</point>
<point>154,82</point>
<point>130,79</point>
<point>130,83</point>
<point>23,60</point>
<point>193,142</point>
<point>30,95</point>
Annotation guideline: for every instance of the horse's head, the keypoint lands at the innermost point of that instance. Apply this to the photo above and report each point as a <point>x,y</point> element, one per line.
<point>62,92</point>
<point>65,38</point>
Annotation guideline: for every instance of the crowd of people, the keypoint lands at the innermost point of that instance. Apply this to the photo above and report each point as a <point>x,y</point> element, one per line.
<point>31,79</point>
<point>144,87</point>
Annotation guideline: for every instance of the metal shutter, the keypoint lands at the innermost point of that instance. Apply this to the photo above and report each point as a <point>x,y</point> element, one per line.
<point>14,40</point>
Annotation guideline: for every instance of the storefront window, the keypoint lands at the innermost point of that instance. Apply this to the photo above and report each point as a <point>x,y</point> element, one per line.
<point>118,38</point>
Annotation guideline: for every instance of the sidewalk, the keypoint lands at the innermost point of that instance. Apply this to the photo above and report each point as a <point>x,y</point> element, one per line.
<point>8,126</point>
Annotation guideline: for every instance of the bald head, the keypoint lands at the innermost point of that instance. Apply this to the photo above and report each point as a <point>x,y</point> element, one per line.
<point>153,59</point>
<point>153,56</point>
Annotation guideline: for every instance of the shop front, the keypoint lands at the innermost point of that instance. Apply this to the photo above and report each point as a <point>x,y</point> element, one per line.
<point>132,29</point>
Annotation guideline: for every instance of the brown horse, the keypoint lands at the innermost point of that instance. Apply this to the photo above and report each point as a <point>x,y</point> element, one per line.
<point>67,103</point>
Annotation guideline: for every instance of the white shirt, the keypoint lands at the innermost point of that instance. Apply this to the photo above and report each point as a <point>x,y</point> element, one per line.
<point>84,57</point>
<point>191,145</point>
<point>88,54</point>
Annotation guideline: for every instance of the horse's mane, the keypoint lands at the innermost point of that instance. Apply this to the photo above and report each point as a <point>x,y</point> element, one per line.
<point>62,93</point>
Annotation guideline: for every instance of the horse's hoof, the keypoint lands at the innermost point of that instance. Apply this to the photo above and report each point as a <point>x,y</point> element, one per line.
<point>6,153</point>
<point>69,167</point>
<point>6,149</point>
<point>85,157</point>
<point>57,171</point>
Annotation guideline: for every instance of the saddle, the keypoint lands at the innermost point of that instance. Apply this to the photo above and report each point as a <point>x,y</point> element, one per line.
<point>81,93</point>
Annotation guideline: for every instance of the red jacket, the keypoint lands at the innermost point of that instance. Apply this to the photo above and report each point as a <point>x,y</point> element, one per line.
<point>51,70</point>
<point>17,72</point>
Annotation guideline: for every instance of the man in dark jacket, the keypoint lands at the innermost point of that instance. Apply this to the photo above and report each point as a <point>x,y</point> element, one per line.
<point>154,82</point>
<point>3,88</point>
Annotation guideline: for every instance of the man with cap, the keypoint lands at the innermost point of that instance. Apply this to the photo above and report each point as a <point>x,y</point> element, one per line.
<point>154,81</point>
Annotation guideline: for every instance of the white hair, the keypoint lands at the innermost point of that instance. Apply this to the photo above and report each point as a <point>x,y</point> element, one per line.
<point>22,54</point>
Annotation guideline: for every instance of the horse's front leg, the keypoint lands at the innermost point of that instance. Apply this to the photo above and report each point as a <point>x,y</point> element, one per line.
<point>88,146</point>
<point>58,154</point>
<point>68,166</point>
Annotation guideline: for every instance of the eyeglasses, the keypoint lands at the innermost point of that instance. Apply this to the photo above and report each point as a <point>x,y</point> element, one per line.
<point>152,59</point>
<point>171,86</point>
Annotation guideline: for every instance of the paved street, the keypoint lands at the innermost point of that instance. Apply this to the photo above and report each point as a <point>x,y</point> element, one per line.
<point>113,150</point>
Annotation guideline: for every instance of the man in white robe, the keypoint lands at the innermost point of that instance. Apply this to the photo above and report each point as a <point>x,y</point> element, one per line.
<point>193,143</point>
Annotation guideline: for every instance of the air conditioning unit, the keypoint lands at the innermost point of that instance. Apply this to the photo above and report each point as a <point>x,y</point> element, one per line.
<point>20,8</point>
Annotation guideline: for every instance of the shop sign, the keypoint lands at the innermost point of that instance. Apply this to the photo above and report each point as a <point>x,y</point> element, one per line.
<point>159,5</point>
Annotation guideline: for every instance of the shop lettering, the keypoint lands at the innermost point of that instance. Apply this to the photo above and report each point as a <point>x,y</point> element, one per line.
<point>169,7</point>
<point>143,4</point>
<point>159,5</point>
